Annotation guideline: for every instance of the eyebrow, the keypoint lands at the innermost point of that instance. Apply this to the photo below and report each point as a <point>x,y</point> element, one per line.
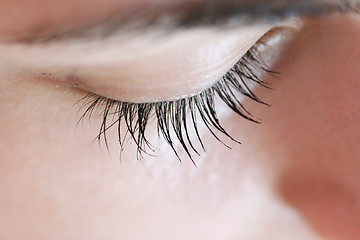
<point>194,14</point>
<point>216,11</point>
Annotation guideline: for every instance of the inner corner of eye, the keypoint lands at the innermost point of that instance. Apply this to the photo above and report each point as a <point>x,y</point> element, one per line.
<point>181,67</point>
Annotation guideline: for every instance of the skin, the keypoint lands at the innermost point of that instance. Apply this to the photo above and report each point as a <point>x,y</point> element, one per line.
<point>67,13</point>
<point>295,176</point>
<point>129,67</point>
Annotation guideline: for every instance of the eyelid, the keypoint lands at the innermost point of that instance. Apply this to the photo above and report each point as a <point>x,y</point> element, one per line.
<point>163,82</point>
<point>185,65</point>
<point>140,67</point>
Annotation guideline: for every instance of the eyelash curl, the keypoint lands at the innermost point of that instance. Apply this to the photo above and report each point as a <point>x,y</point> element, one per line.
<point>174,118</point>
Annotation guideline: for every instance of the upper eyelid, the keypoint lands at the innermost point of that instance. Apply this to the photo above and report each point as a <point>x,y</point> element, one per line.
<point>186,64</point>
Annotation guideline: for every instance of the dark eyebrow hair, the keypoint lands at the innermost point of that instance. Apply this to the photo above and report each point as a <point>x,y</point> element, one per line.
<point>216,11</point>
<point>194,14</point>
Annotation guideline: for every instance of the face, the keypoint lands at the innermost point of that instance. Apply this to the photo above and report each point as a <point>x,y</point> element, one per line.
<point>142,77</point>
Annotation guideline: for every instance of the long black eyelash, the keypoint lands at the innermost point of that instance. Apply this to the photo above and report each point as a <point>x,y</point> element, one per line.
<point>174,118</point>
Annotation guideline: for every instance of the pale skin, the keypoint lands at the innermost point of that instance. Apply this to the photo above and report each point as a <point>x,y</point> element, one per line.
<point>295,176</point>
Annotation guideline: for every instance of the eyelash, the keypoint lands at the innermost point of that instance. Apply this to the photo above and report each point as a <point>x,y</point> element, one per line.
<point>173,116</point>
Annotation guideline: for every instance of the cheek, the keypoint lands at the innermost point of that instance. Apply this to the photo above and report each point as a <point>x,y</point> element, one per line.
<point>313,128</point>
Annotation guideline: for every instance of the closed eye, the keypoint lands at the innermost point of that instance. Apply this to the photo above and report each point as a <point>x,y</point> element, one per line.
<point>176,119</point>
